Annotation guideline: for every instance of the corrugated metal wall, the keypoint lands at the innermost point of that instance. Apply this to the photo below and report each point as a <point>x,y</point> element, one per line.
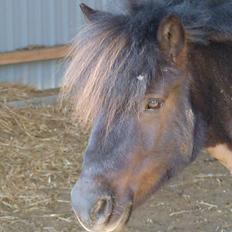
<point>25,23</point>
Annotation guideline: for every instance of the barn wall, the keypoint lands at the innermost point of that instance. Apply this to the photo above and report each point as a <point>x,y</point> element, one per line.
<point>33,23</point>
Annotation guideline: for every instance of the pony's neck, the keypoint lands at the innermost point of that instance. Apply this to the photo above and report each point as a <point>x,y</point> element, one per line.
<point>211,88</point>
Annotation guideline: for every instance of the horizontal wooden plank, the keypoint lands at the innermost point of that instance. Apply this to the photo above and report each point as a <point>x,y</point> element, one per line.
<point>34,102</point>
<point>33,55</point>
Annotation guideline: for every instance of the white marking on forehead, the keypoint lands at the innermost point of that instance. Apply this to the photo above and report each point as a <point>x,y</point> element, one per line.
<point>140,77</point>
<point>165,69</point>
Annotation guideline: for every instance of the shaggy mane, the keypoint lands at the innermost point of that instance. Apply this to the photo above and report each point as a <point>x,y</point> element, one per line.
<point>111,52</point>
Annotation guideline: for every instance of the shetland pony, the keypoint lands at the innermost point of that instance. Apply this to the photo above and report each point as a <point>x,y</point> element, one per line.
<point>155,84</point>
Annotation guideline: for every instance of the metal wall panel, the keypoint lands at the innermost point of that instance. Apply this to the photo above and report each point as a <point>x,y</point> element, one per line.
<point>29,23</point>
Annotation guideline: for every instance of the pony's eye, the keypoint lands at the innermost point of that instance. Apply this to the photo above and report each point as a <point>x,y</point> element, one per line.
<point>154,104</point>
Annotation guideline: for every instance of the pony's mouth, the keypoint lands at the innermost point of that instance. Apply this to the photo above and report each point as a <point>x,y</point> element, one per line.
<point>110,227</point>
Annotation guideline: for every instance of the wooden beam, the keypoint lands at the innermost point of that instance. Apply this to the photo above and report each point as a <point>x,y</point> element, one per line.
<point>34,102</point>
<point>33,55</point>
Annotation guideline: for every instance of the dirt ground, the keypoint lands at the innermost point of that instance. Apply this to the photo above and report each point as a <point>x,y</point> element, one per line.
<point>40,159</point>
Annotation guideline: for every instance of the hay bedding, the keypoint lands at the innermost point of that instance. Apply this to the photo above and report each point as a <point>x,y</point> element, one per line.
<point>40,160</point>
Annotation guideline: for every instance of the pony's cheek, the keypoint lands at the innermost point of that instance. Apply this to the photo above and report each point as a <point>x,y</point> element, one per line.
<point>139,179</point>
<point>147,178</point>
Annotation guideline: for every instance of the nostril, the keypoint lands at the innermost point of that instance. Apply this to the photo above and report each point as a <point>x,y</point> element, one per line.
<point>100,207</point>
<point>102,210</point>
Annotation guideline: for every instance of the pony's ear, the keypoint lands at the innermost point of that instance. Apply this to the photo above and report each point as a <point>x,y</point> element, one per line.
<point>171,37</point>
<point>88,12</point>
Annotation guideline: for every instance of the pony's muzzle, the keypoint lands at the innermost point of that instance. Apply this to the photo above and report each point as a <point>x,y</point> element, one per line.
<point>92,209</point>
